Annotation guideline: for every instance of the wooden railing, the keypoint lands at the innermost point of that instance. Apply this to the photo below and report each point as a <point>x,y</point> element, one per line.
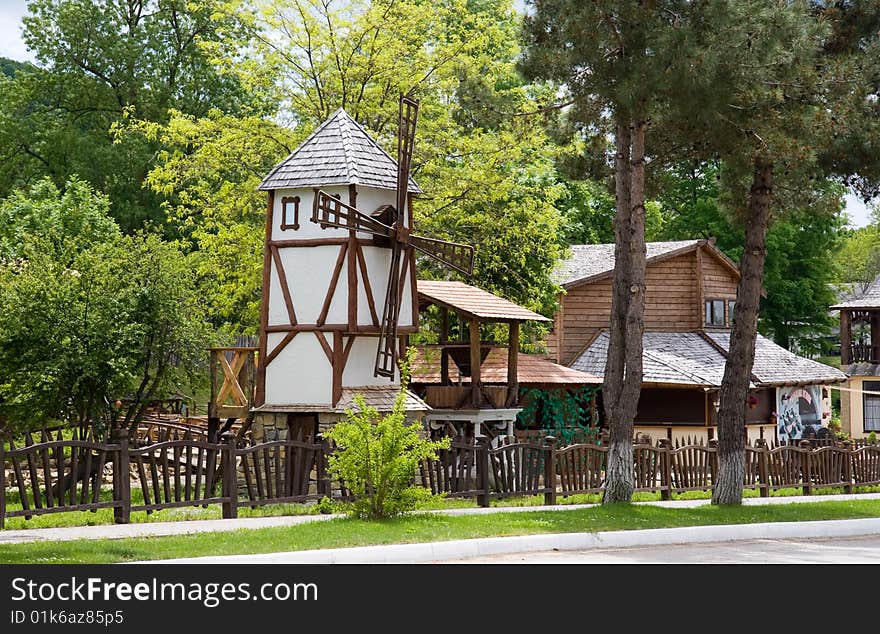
<point>864,353</point>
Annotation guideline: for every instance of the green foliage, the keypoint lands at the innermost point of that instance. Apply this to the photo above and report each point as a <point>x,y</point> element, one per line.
<point>91,316</point>
<point>378,457</point>
<point>97,61</point>
<point>570,416</point>
<point>872,438</point>
<point>67,222</point>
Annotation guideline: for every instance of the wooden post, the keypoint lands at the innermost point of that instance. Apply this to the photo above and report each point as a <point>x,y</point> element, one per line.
<point>665,445</point>
<point>2,484</point>
<point>475,363</point>
<point>763,468</point>
<point>323,481</point>
<point>847,466</point>
<point>121,478</point>
<point>444,339</point>
<point>482,449</point>
<point>229,476</point>
<point>550,471</point>
<point>845,337</point>
<point>806,466</point>
<point>213,419</point>
<point>512,359</point>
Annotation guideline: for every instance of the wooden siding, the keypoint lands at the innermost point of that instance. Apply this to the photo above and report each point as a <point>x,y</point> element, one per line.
<point>671,303</point>
<point>719,282</point>
<point>677,288</point>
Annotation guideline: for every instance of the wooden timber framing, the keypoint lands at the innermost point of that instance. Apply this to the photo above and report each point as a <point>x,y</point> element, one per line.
<point>352,262</point>
<point>260,398</point>
<point>512,359</point>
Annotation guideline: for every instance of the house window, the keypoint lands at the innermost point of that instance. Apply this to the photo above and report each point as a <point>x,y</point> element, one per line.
<point>872,405</point>
<point>714,312</point>
<point>730,305</point>
<point>290,213</point>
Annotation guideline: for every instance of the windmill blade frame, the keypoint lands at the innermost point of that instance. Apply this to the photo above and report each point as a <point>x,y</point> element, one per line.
<point>329,211</point>
<point>387,352</point>
<point>454,255</point>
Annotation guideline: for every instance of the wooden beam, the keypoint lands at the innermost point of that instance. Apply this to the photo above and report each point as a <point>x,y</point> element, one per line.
<point>334,282</point>
<point>338,362</point>
<point>845,337</point>
<point>512,360</point>
<point>444,340</point>
<point>476,384</point>
<point>700,293</point>
<point>368,289</point>
<point>285,289</point>
<point>264,302</point>
<point>352,264</point>
<point>281,345</point>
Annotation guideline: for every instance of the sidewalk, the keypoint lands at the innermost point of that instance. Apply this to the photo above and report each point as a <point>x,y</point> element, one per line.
<point>156,529</point>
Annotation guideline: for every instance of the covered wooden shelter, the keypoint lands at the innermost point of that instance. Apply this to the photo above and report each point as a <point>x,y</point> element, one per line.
<point>473,382</point>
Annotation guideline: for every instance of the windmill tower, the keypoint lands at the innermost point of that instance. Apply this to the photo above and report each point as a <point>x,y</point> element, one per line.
<point>339,284</point>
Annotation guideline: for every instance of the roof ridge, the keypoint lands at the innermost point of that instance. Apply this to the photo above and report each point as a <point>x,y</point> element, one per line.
<point>347,150</point>
<point>726,353</point>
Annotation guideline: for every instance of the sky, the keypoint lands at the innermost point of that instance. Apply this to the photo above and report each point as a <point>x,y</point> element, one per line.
<point>12,46</point>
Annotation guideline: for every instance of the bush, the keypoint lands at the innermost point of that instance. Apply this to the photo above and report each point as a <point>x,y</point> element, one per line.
<point>379,455</point>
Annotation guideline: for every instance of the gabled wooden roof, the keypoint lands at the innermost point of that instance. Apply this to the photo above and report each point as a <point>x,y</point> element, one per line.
<point>592,262</point>
<point>473,302</point>
<point>861,301</point>
<point>530,369</point>
<point>339,152</point>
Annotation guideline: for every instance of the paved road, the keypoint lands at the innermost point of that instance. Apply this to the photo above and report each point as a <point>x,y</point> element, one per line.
<point>849,550</point>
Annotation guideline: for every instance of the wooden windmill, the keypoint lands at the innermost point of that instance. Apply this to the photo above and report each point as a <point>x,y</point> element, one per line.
<point>321,338</point>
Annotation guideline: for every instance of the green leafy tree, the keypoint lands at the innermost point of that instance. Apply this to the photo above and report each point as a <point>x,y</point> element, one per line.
<point>489,178</point>
<point>378,456</point>
<point>98,62</point>
<point>98,318</point>
<point>621,64</point>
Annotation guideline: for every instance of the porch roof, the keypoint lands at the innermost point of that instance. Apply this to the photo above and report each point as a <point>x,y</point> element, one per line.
<point>473,302</point>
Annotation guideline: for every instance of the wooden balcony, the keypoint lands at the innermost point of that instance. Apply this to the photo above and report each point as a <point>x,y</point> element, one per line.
<point>864,353</point>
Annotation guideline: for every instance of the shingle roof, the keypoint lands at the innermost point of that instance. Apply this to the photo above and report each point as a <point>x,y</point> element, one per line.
<point>474,301</point>
<point>698,358</point>
<point>861,369</point>
<point>668,357</point>
<point>774,365</point>
<point>381,397</point>
<point>869,299</point>
<point>530,369</point>
<point>590,260</point>
<point>339,152</point>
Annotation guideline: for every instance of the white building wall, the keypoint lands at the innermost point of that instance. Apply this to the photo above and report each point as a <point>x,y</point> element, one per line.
<point>361,361</point>
<point>301,373</point>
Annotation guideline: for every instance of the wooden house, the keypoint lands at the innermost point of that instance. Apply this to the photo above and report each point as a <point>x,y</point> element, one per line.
<point>689,301</point>
<point>860,361</point>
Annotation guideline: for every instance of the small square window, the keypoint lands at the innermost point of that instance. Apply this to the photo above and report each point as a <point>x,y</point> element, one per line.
<point>715,312</point>
<point>290,213</point>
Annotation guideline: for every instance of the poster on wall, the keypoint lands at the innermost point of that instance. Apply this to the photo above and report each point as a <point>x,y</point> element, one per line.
<point>796,408</point>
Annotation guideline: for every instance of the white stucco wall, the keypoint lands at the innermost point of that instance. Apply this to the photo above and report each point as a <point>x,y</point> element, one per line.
<point>301,373</point>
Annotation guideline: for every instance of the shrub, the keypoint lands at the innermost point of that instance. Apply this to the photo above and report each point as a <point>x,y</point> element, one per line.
<point>872,438</point>
<point>378,456</point>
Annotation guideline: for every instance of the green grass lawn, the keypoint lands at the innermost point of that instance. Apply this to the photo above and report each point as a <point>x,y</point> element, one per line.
<point>424,527</point>
<point>105,516</point>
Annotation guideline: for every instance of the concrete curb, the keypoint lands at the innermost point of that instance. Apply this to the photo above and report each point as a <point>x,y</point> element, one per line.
<point>461,549</point>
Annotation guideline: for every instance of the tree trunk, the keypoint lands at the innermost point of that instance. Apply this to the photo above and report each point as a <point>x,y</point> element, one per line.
<point>741,355</point>
<point>623,366</point>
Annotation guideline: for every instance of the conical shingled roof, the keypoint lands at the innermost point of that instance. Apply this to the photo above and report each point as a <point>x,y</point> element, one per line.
<point>339,152</point>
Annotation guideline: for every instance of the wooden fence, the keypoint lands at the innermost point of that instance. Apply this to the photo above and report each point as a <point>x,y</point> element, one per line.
<point>57,475</point>
<point>484,473</point>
